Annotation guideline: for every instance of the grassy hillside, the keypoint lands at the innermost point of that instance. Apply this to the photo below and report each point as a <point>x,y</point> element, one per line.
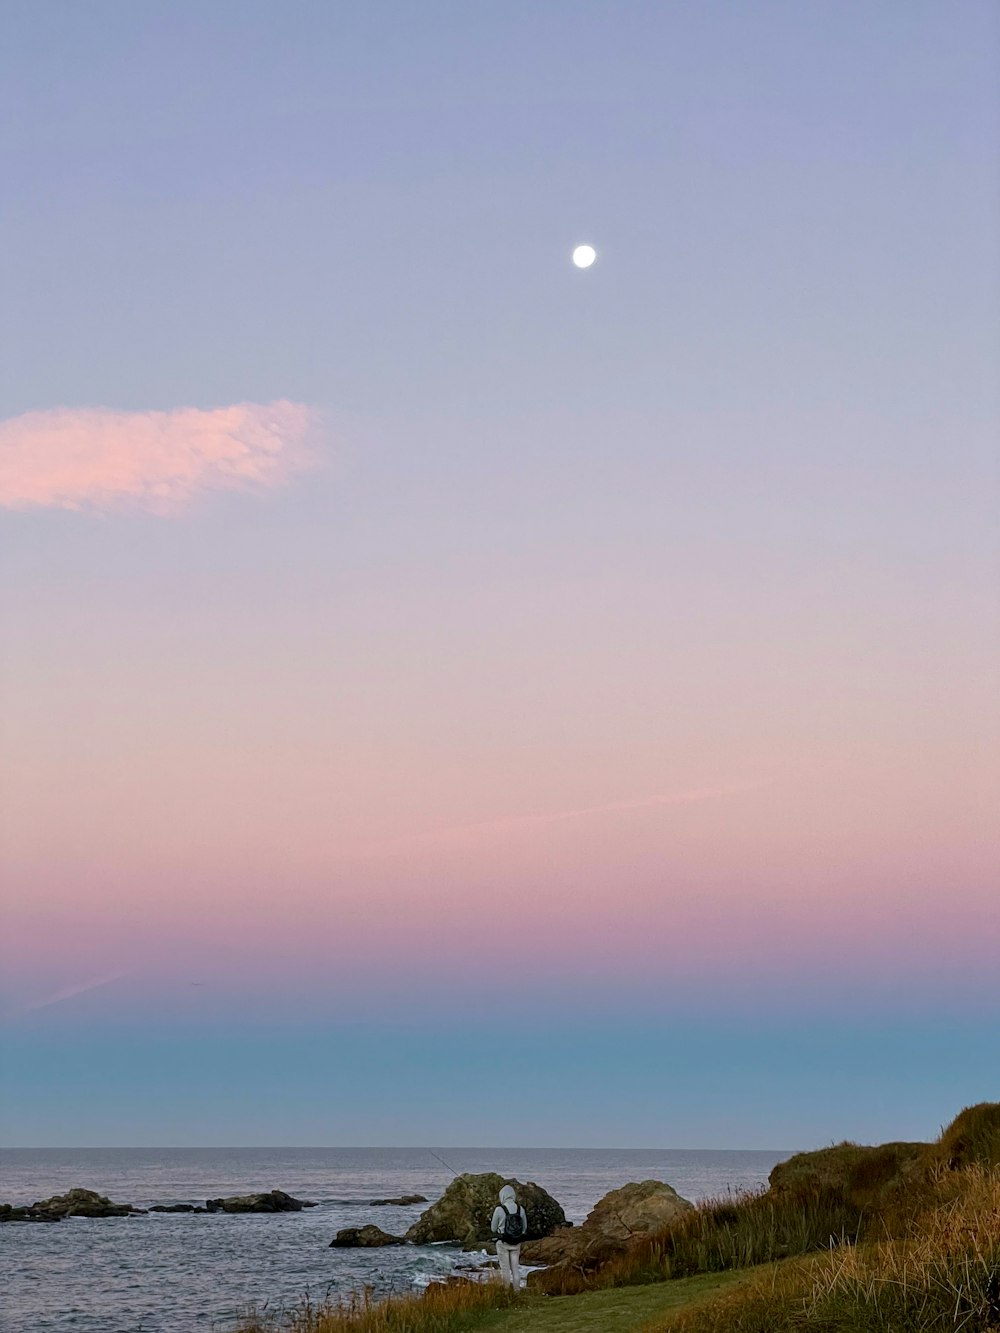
<point>845,1194</point>
<point>898,1238</point>
<point>943,1274</point>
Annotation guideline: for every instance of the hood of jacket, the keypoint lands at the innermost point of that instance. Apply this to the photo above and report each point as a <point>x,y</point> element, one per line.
<point>508,1198</point>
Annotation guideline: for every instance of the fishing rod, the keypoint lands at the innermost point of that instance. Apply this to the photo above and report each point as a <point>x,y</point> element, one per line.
<point>443,1162</point>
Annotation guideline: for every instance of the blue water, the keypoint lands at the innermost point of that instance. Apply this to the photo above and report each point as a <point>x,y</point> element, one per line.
<point>170,1273</point>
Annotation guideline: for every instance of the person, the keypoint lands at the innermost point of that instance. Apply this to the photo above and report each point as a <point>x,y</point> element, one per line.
<point>509,1227</point>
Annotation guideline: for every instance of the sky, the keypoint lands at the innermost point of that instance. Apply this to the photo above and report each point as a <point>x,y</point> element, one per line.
<point>432,673</point>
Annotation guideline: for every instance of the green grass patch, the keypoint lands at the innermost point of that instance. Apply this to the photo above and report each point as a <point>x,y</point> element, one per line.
<point>619,1310</point>
<point>490,1308</point>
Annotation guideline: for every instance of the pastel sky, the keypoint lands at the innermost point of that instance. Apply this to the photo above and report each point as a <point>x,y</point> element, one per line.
<point>428,667</point>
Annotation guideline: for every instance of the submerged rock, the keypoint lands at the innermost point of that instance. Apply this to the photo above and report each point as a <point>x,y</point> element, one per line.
<point>465,1210</point>
<point>404,1201</point>
<point>367,1237</point>
<point>274,1201</point>
<point>176,1208</point>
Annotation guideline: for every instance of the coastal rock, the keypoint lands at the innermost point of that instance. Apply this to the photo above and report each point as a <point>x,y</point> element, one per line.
<point>176,1208</point>
<point>274,1201</point>
<point>404,1201</point>
<point>465,1210</point>
<point>564,1243</point>
<point>619,1218</point>
<point>82,1203</point>
<point>573,1251</point>
<point>10,1212</point>
<point>367,1237</point>
<point>636,1209</point>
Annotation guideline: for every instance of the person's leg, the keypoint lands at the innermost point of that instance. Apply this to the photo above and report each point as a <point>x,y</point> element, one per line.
<point>514,1262</point>
<point>503,1254</point>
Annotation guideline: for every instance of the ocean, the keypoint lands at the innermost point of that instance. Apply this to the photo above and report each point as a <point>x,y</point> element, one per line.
<point>177,1273</point>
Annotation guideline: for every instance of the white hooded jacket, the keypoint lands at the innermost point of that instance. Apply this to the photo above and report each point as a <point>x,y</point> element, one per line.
<point>508,1200</point>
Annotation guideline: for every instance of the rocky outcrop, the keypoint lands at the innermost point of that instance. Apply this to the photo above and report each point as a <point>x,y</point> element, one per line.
<point>74,1203</point>
<point>274,1201</point>
<point>176,1208</point>
<point>465,1210</point>
<point>404,1201</point>
<point>636,1209</point>
<point>10,1212</point>
<point>570,1245</point>
<point>364,1238</point>
<point>621,1217</point>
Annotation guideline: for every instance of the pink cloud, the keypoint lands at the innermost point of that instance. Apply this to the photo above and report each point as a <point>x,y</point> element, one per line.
<point>513,822</point>
<point>75,458</point>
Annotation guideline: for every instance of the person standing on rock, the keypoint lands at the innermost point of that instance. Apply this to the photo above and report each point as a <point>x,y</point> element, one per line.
<point>509,1226</point>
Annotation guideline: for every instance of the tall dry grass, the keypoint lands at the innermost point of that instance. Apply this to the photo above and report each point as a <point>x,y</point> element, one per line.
<point>739,1231</point>
<point>972,1138</point>
<point>943,1276</point>
<point>441,1308</point>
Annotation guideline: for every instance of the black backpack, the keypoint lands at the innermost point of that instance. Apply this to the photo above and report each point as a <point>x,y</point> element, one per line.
<point>512,1227</point>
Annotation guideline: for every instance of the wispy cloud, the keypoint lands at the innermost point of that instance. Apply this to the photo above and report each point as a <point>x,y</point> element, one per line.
<point>459,835</point>
<point>70,992</point>
<point>542,820</point>
<point>98,458</point>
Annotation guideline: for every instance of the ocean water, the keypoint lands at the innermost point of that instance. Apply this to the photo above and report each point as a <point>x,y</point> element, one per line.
<point>177,1273</point>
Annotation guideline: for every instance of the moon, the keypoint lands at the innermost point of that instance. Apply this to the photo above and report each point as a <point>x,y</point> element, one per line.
<point>584,256</point>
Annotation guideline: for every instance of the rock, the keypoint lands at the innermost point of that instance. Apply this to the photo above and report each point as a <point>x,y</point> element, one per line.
<point>10,1212</point>
<point>619,1218</point>
<point>176,1208</point>
<point>563,1243</point>
<point>364,1237</point>
<point>404,1201</point>
<point>82,1203</point>
<point>636,1209</point>
<point>465,1210</point>
<point>565,1266</point>
<point>274,1201</point>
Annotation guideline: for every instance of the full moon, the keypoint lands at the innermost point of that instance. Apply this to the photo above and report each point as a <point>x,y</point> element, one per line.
<point>584,256</point>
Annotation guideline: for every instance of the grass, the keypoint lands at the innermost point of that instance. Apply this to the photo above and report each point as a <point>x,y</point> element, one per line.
<point>441,1308</point>
<point>843,1195</point>
<point>972,1138</point>
<point>618,1310</point>
<point>865,1176</point>
<point>943,1276</point>
<point>742,1231</point>
<point>490,1308</point>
